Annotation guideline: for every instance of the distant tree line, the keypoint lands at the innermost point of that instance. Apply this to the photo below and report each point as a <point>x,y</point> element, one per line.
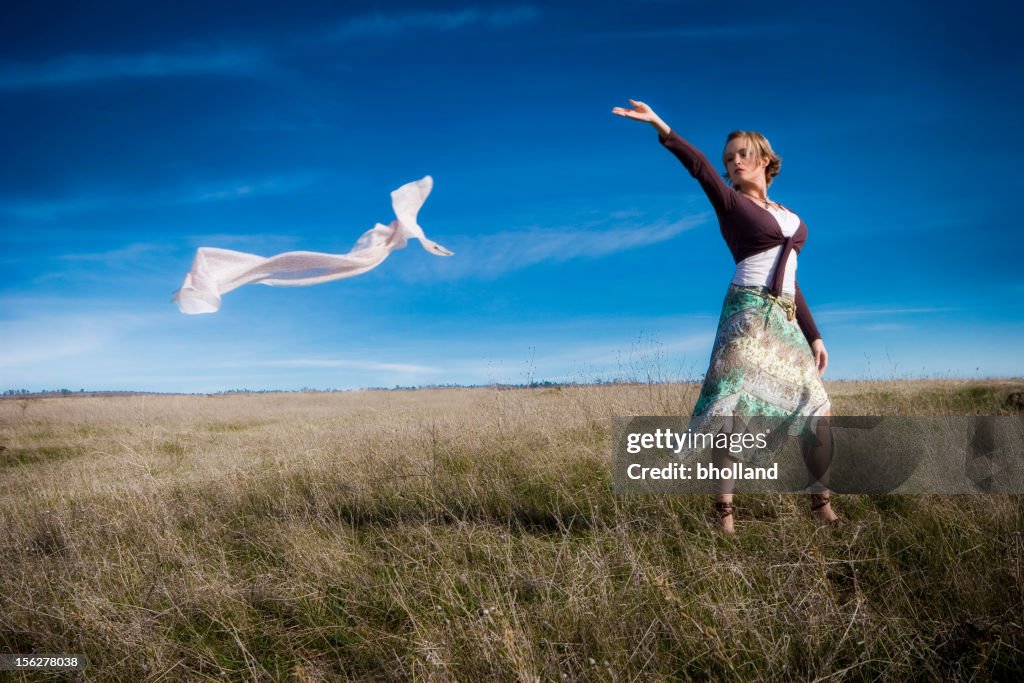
<point>21,392</point>
<point>397,387</point>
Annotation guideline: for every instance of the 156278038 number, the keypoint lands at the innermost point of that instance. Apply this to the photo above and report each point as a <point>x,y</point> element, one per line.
<point>42,662</point>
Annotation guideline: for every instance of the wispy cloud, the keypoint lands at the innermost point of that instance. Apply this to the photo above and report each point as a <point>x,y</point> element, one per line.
<point>40,338</point>
<point>85,68</point>
<point>332,363</point>
<point>493,255</point>
<point>127,253</point>
<point>637,354</point>
<point>227,190</point>
<point>277,185</point>
<point>53,208</point>
<point>729,31</point>
<point>378,25</point>
<point>573,354</point>
<point>886,327</point>
<point>25,347</point>
<point>844,314</point>
<point>241,60</point>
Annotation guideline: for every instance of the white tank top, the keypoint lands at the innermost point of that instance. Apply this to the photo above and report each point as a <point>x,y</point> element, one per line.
<point>759,269</point>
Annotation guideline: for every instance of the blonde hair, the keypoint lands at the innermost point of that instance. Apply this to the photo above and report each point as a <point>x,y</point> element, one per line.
<point>761,148</point>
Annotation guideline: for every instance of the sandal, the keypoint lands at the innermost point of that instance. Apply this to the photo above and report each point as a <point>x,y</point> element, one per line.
<point>820,500</point>
<point>722,511</point>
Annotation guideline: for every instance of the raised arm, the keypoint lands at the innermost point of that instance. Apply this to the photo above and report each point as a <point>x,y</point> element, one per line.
<point>721,195</point>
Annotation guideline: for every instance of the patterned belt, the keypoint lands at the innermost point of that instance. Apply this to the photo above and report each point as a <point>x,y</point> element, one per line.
<point>785,303</point>
<point>788,305</point>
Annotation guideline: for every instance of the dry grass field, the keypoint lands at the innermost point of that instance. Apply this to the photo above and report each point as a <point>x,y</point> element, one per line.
<point>472,534</point>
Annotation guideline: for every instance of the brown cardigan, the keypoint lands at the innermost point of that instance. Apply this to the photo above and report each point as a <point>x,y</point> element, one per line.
<point>747,228</point>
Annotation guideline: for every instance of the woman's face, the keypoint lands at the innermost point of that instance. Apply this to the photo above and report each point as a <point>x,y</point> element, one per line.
<point>741,164</point>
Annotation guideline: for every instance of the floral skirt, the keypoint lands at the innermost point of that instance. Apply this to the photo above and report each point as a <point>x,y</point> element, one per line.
<point>761,365</point>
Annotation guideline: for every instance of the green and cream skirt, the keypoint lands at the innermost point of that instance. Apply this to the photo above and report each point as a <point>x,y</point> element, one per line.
<point>761,366</point>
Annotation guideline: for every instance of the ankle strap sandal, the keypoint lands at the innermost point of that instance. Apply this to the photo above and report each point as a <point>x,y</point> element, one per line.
<point>723,509</point>
<point>819,500</point>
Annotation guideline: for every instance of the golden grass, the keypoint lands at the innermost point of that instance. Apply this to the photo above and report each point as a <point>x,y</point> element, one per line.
<point>471,534</point>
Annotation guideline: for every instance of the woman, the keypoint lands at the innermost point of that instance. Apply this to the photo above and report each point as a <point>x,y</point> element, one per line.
<point>768,356</point>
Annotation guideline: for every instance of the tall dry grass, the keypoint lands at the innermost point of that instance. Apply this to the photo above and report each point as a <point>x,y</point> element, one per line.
<point>472,534</point>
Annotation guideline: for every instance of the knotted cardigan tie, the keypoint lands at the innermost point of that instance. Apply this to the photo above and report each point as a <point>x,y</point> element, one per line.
<point>747,229</point>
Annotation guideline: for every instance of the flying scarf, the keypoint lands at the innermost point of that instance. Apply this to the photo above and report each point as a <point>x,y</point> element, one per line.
<point>217,271</point>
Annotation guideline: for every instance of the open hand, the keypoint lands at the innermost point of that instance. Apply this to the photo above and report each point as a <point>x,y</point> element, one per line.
<point>639,111</point>
<point>820,356</point>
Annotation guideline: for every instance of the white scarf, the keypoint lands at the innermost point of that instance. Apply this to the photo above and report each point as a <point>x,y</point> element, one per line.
<point>217,271</point>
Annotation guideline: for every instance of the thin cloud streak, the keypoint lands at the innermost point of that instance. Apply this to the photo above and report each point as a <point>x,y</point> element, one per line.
<point>130,252</point>
<point>837,315</point>
<point>41,347</point>
<point>277,185</point>
<point>332,363</point>
<point>585,361</point>
<point>700,32</point>
<point>49,210</point>
<point>493,255</point>
<point>637,355</point>
<point>41,338</point>
<point>87,68</point>
<point>378,25</point>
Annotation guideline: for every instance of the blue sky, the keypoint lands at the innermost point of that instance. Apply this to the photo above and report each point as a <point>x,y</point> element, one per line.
<point>134,133</point>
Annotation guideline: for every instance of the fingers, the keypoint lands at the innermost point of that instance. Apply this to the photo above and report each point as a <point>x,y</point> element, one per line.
<point>628,113</point>
<point>639,112</point>
<point>636,105</point>
<point>820,356</point>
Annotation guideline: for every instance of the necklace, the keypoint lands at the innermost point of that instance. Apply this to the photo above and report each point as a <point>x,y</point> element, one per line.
<point>758,199</point>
